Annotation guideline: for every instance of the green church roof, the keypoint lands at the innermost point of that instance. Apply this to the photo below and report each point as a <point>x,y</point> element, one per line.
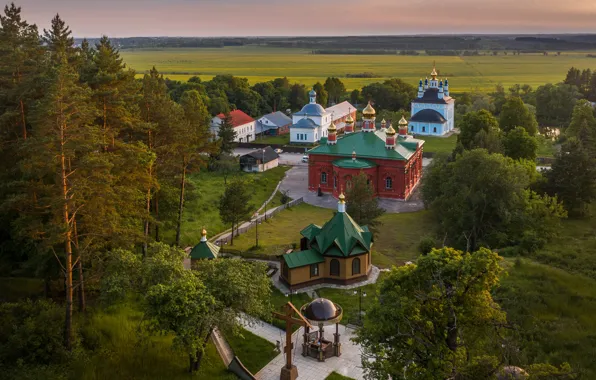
<point>204,250</point>
<point>303,258</point>
<point>358,163</point>
<point>340,236</point>
<point>369,145</point>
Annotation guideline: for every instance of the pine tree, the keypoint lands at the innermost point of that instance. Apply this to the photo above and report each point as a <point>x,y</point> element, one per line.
<point>362,204</point>
<point>59,42</point>
<point>227,135</point>
<point>234,205</point>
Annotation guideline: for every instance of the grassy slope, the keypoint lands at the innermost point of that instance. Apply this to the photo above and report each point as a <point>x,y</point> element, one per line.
<point>203,203</point>
<point>254,352</point>
<point>438,144</point>
<point>555,311</point>
<point>120,354</point>
<point>336,376</point>
<point>260,64</point>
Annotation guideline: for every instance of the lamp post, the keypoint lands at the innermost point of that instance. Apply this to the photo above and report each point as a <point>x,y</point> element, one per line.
<point>263,162</point>
<point>360,295</point>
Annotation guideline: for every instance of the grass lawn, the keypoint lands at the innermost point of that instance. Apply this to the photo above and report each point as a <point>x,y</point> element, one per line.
<point>254,352</point>
<point>202,207</point>
<point>121,353</point>
<point>555,311</point>
<point>281,139</point>
<point>336,376</point>
<point>546,147</point>
<point>434,144</point>
<point>259,64</point>
<point>278,299</point>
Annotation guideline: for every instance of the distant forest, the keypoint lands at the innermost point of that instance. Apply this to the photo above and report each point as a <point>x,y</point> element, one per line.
<point>374,44</point>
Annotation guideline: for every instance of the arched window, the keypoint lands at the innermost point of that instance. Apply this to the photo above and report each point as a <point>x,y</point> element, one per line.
<point>323,177</point>
<point>335,182</point>
<point>435,130</point>
<point>412,128</point>
<point>334,267</point>
<point>356,266</point>
<point>388,183</point>
<point>423,129</point>
<point>348,184</point>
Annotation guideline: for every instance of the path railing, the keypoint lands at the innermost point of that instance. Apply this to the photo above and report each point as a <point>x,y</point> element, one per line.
<point>259,219</point>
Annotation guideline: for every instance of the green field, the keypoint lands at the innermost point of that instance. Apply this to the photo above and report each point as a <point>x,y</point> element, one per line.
<point>254,352</point>
<point>260,64</point>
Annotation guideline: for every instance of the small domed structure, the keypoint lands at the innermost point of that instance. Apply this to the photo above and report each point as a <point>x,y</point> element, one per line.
<point>322,311</point>
<point>369,112</point>
<point>312,93</point>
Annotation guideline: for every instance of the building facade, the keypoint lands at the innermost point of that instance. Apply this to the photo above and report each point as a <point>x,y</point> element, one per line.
<point>392,162</point>
<point>339,252</point>
<point>433,110</point>
<point>311,123</point>
<point>259,160</point>
<point>274,124</point>
<point>243,124</point>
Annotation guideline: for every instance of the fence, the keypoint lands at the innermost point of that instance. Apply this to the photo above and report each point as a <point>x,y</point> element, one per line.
<point>226,239</point>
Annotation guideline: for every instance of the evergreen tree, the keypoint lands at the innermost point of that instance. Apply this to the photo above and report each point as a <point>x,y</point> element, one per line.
<point>583,126</point>
<point>362,205</point>
<point>59,42</point>
<point>227,135</point>
<point>234,206</point>
<point>322,94</point>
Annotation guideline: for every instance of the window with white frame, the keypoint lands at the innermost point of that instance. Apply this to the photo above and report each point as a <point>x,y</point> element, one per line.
<point>323,177</point>
<point>388,183</point>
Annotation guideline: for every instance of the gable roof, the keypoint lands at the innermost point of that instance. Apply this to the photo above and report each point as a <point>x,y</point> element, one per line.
<point>303,258</point>
<point>278,118</point>
<point>204,250</point>
<point>370,145</point>
<point>238,118</point>
<point>431,95</point>
<point>428,116</point>
<point>341,109</point>
<point>268,155</point>
<point>340,236</point>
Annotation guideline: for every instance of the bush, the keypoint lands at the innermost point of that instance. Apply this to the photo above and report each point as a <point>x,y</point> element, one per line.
<point>426,244</point>
<point>31,332</point>
<point>285,197</point>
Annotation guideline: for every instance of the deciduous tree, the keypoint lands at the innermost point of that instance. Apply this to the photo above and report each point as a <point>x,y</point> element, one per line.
<point>518,144</point>
<point>516,114</point>
<point>362,205</point>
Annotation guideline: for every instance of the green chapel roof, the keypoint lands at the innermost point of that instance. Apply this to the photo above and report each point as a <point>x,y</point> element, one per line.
<point>358,163</point>
<point>340,236</point>
<point>369,145</point>
<point>303,258</point>
<point>204,250</point>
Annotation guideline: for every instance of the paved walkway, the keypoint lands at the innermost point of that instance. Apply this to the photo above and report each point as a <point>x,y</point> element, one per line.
<point>348,364</point>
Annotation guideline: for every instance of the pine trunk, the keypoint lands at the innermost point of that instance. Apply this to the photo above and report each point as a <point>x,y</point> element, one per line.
<point>23,120</point>
<point>181,203</point>
<point>82,301</point>
<point>105,125</point>
<point>148,208</point>
<point>156,216</point>
<point>67,243</point>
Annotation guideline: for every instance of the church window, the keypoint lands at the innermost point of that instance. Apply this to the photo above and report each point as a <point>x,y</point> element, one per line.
<point>388,183</point>
<point>412,128</point>
<point>423,129</point>
<point>435,130</point>
<point>334,267</point>
<point>356,266</point>
<point>335,182</point>
<point>323,177</point>
<point>314,270</point>
<point>348,184</point>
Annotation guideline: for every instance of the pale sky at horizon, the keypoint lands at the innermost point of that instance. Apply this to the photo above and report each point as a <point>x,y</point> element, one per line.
<point>127,18</point>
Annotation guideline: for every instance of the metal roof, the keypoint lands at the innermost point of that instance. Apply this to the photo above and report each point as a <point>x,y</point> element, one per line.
<point>303,258</point>
<point>342,109</point>
<point>204,250</point>
<point>269,154</point>
<point>358,163</point>
<point>278,118</point>
<point>312,109</point>
<point>431,95</point>
<point>428,116</point>
<point>305,123</point>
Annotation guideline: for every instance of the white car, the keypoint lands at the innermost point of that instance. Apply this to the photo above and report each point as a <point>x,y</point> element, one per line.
<point>305,158</point>
<point>278,151</point>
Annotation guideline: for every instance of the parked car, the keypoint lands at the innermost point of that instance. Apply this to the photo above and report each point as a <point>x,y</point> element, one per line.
<point>305,158</point>
<point>278,151</point>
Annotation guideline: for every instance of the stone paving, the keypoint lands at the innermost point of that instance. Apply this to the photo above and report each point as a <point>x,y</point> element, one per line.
<point>348,364</point>
<point>296,183</point>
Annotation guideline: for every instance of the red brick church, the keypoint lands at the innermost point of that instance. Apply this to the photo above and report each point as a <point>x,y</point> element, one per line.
<point>391,161</point>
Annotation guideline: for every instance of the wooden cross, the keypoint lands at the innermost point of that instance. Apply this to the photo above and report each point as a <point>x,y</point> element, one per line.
<point>290,321</point>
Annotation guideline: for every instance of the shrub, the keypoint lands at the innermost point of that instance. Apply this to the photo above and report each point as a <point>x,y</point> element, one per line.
<point>285,197</point>
<point>426,244</point>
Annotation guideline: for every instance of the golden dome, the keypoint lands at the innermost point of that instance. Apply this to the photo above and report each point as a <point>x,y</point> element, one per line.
<point>403,121</point>
<point>383,121</point>
<point>369,112</point>
<point>350,119</point>
<point>342,197</point>
<point>332,127</point>
<point>434,72</point>
<point>204,232</point>
<point>390,131</point>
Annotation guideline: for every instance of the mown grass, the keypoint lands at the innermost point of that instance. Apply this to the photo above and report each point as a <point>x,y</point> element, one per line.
<point>120,351</point>
<point>554,311</point>
<point>280,139</point>
<point>433,144</point>
<point>202,207</point>
<point>254,352</point>
<point>336,376</point>
<point>260,64</point>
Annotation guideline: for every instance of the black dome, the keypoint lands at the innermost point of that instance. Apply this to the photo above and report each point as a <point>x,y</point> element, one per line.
<point>321,310</point>
<point>428,116</point>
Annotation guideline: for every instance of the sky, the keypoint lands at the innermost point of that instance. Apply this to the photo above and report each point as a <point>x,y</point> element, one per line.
<point>127,18</point>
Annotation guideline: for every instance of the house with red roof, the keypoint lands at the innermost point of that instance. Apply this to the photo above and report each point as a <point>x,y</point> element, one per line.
<point>244,125</point>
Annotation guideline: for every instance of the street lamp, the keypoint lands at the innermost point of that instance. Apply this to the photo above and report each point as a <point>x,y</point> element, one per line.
<point>361,294</point>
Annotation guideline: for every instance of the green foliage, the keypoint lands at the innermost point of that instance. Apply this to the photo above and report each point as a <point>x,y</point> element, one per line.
<point>322,94</point>
<point>227,135</point>
<point>285,197</point>
<point>254,351</point>
<point>555,103</point>
<point>31,333</point>
<point>480,130</point>
<point>427,243</point>
<point>583,126</point>
<point>519,145</point>
<point>573,178</point>
<point>482,199</point>
<point>516,114</point>
<point>362,205</point>
<point>234,204</point>
<point>435,334</point>
<point>336,376</point>
<point>335,88</point>
<point>393,94</point>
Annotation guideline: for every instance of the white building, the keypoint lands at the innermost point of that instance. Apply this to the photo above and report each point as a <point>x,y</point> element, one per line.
<point>243,124</point>
<point>310,124</point>
<point>433,110</point>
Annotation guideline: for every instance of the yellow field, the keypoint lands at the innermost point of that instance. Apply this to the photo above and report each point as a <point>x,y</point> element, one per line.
<point>260,64</point>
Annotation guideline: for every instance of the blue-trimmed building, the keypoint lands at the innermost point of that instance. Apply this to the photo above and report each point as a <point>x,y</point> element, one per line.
<point>433,110</point>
